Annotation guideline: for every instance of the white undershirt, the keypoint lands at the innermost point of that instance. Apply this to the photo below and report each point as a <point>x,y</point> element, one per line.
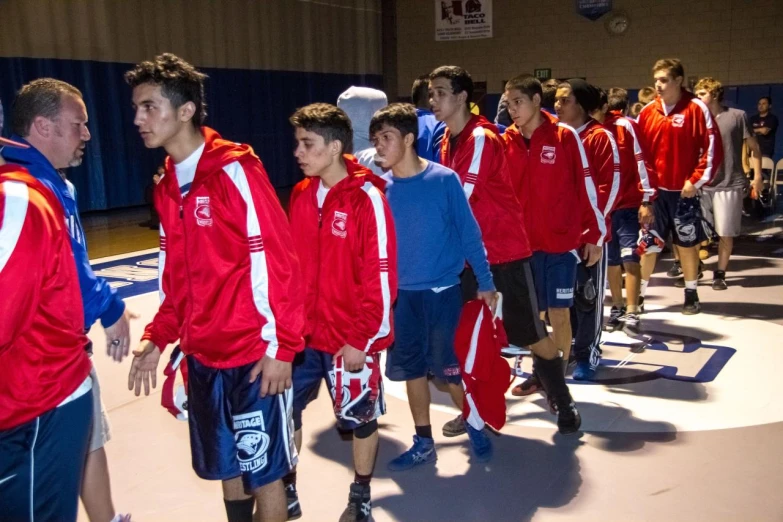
<point>321,194</point>
<point>186,170</point>
<point>669,108</point>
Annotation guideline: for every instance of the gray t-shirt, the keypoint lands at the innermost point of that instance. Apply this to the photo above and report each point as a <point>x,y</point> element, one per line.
<point>734,128</point>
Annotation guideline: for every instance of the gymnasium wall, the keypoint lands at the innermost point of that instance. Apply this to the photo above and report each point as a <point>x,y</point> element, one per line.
<point>264,58</point>
<point>740,42</point>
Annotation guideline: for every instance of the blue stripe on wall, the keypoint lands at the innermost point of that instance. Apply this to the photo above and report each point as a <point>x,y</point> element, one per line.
<point>248,106</point>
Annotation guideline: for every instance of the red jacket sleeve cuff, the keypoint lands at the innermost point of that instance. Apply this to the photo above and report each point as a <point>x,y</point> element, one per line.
<point>157,341</point>
<point>358,341</point>
<point>285,354</point>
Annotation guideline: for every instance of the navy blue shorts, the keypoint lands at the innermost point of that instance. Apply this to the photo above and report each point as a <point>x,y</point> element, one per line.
<point>625,236</point>
<point>41,464</point>
<point>425,323</point>
<point>357,397</point>
<point>555,276</point>
<point>235,432</point>
<point>666,221</point>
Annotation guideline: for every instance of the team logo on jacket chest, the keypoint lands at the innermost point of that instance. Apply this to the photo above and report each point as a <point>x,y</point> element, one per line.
<point>548,155</point>
<point>340,224</point>
<point>203,211</point>
<point>678,120</point>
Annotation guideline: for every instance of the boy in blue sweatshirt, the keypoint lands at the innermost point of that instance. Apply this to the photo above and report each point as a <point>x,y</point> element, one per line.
<point>436,235</point>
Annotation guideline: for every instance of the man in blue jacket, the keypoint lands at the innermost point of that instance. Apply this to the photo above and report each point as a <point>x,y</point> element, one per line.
<point>50,116</point>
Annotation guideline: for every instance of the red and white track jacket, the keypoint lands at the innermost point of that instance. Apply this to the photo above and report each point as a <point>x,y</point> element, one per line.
<point>349,261</point>
<point>42,340</point>
<point>485,373</point>
<point>553,181</point>
<point>685,143</point>
<point>638,180</point>
<point>478,157</point>
<point>230,285</point>
<point>604,158</point>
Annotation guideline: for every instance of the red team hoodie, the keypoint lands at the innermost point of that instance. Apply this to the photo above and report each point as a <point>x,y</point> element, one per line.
<point>230,284</point>
<point>349,261</point>
<point>686,143</point>
<point>638,180</point>
<point>478,157</point>
<point>553,182</point>
<point>42,340</point>
<point>604,158</point>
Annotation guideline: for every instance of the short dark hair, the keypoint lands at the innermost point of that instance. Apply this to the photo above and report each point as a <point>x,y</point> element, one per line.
<point>603,98</point>
<point>179,81</point>
<point>768,98</point>
<point>527,84</point>
<point>328,121</point>
<point>672,66</point>
<point>549,91</point>
<point>420,92</point>
<point>401,116</point>
<point>41,97</point>
<point>617,98</point>
<point>460,80</point>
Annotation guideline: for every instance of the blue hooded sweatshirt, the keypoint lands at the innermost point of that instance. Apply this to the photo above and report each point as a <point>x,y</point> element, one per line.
<point>100,300</point>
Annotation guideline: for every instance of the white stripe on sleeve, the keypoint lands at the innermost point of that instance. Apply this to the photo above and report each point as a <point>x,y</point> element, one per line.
<point>259,274</point>
<point>708,170</point>
<point>592,194</point>
<point>17,198</point>
<point>641,167</point>
<point>383,256</point>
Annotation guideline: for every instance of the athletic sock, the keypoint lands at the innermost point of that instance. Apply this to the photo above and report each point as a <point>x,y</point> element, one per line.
<point>643,288</point>
<point>691,285</point>
<point>240,510</point>
<point>632,309</point>
<point>362,479</point>
<point>719,274</point>
<point>290,479</point>
<point>424,432</point>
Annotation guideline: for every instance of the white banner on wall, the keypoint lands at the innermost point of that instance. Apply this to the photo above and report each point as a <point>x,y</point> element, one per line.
<point>463,19</point>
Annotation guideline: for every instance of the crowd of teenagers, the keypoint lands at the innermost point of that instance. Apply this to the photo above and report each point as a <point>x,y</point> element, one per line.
<point>405,213</point>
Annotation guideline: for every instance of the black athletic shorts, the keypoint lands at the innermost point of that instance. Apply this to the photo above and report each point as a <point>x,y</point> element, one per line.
<point>514,280</point>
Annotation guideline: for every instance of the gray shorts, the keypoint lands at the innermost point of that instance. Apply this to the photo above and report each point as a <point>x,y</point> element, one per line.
<point>101,430</point>
<point>723,208</point>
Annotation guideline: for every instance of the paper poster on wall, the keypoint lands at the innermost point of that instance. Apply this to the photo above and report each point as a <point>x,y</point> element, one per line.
<point>463,19</point>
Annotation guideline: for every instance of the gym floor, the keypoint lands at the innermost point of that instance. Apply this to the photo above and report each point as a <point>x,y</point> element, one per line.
<point>687,429</point>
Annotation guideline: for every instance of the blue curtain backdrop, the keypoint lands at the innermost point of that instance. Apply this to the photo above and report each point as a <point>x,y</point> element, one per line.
<point>249,106</point>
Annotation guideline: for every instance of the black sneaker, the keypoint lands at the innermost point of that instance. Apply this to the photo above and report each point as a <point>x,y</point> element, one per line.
<point>632,325</point>
<point>359,507</point>
<point>294,509</point>
<point>675,270</point>
<point>719,280</point>
<point>692,305</point>
<point>568,420</point>
<point>614,322</point>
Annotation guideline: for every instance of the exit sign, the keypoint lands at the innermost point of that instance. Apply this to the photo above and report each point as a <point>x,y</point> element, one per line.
<point>542,74</point>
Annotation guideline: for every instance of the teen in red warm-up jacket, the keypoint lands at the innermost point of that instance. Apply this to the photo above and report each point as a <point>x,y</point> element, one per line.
<point>45,399</point>
<point>575,101</point>
<point>686,149</point>
<point>231,292</point>
<point>494,202</point>
<point>344,233</point>
<point>638,184</point>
